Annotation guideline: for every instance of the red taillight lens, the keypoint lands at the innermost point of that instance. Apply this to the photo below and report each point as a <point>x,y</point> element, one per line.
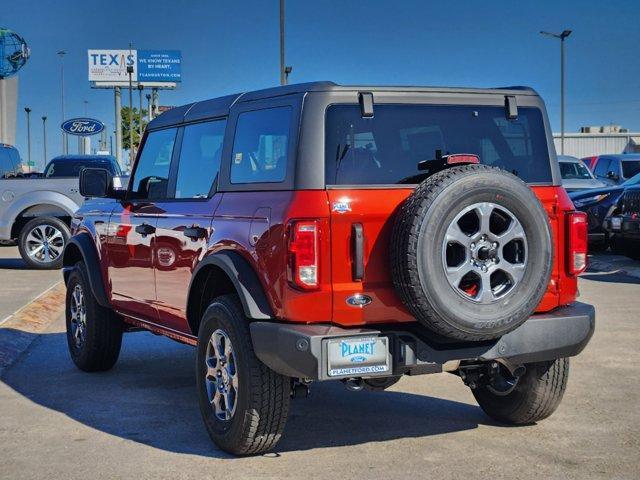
<point>303,254</point>
<point>577,242</point>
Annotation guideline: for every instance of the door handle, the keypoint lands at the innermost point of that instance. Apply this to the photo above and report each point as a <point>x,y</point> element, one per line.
<point>145,229</point>
<point>357,251</point>
<point>195,233</point>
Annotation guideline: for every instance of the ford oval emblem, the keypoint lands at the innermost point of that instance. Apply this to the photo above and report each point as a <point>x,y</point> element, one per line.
<point>83,127</point>
<point>359,300</point>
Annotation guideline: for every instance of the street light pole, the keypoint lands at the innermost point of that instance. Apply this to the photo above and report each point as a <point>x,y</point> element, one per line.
<point>283,78</point>
<point>560,36</point>
<point>148,96</point>
<point>28,110</point>
<point>65,144</point>
<point>44,139</point>
<point>130,72</point>
<point>140,130</point>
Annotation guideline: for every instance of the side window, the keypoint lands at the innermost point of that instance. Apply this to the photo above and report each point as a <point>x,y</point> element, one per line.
<point>152,170</point>
<point>260,146</point>
<point>602,167</point>
<point>199,159</point>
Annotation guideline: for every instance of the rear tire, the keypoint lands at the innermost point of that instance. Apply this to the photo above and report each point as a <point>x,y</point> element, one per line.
<point>535,396</point>
<point>41,242</point>
<point>94,333</point>
<point>249,413</point>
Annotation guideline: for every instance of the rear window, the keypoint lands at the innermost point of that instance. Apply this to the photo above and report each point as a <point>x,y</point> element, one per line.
<point>71,168</point>
<point>387,148</point>
<point>630,168</point>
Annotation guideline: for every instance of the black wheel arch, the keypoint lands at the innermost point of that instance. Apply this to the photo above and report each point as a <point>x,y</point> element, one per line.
<point>81,248</point>
<point>223,273</point>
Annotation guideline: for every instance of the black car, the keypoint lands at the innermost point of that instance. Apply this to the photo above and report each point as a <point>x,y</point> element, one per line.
<point>598,204</point>
<point>70,165</point>
<point>623,225</point>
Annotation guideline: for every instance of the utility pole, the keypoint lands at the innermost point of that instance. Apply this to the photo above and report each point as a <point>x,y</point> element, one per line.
<point>140,130</point>
<point>283,78</point>
<point>44,139</point>
<point>65,139</point>
<point>148,97</point>
<point>117,97</point>
<point>28,111</point>
<point>130,72</point>
<point>560,36</point>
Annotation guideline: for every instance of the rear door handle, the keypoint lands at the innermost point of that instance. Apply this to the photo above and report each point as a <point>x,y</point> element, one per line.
<point>357,252</point>
<point>145,229</point>
<point>195,233</point>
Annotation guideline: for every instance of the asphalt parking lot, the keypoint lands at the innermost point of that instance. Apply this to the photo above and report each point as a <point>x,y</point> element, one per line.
<point>141,419</point>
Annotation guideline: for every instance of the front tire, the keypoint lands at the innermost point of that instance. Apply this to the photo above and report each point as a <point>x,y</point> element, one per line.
<point>94,333</point>
<point>535,396</point>
<point>244,404</point>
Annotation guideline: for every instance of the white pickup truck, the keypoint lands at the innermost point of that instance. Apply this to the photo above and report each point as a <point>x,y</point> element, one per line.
<point>35,210</point>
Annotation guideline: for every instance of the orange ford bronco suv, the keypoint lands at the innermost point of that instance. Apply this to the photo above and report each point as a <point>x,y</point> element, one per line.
<point>319,232</point>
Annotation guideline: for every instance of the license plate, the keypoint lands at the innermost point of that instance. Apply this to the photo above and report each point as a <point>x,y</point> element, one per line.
<point>616,223</point>
<point>360,356</point>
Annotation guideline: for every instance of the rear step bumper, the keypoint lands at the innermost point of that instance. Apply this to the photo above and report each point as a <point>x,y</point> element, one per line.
<point>301,351</point>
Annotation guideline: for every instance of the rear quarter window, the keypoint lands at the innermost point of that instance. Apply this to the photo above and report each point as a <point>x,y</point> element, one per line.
<point>387,148</point>
<point>260,146</point>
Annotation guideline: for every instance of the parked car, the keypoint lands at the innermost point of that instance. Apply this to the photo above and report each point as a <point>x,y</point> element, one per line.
<point>9,162</point>
<point>36,211</point>
<point>598,203</point>
<point>623,224</point>
<point>69,166</point>
<point>616,169</point>
<point>576,176</point>
<point>319,232</point>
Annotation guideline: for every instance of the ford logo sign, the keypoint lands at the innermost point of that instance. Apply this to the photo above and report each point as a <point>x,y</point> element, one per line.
<point>83,127</point>
<point>359,300</point>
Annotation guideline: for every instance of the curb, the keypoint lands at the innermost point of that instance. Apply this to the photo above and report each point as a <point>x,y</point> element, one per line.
<point>18,331</point>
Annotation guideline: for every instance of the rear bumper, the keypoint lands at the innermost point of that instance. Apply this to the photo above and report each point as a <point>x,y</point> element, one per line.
<point>301,350</point>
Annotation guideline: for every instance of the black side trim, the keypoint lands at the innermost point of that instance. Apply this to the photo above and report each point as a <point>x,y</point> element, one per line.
<point>90,258</point>
<point>244,279</point>
<point>357,252</point>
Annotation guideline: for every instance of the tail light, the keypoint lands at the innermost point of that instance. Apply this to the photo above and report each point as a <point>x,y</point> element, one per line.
<point>577,242</point>
<point>303,249</point>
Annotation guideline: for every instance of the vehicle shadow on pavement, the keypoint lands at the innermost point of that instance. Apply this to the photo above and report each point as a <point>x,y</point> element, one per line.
<point>13,264</point>
<point>150,397</point>
<point>611,277</point>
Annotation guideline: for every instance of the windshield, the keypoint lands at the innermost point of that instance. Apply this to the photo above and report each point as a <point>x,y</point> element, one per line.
<point>630,168</point>
<point>574,171</point>
<point>386,148</point>
<point>633,180</point>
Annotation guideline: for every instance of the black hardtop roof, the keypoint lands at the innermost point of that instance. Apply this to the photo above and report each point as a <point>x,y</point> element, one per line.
<point>220,106</point>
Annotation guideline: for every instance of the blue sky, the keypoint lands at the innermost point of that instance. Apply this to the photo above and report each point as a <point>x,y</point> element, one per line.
<point>230,46</point>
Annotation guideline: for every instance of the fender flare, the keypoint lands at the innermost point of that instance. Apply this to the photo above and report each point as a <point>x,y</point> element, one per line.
<point>85,245</point>
<point>244,279</point>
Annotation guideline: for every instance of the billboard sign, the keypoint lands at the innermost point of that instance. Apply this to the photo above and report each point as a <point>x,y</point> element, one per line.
<point>111,65</point>
<point>159,66</point>
<point>82,127</point>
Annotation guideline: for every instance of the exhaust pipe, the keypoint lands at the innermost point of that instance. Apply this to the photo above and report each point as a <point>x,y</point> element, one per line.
<point>354,384</point>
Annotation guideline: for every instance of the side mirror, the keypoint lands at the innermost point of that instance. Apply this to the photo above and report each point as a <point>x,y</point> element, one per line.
<point>96,182</point>
<point>613,175</point>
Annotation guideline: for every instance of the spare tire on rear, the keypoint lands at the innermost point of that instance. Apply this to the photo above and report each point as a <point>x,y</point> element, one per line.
<point>471,252</point>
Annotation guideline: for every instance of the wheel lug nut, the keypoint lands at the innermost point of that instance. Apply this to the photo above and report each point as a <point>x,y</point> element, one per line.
<point>473,246</point>
<point>494,244</point>
<point>484,268</point>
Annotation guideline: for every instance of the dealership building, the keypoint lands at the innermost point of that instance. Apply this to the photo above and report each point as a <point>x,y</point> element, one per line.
<point>592,141</point>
